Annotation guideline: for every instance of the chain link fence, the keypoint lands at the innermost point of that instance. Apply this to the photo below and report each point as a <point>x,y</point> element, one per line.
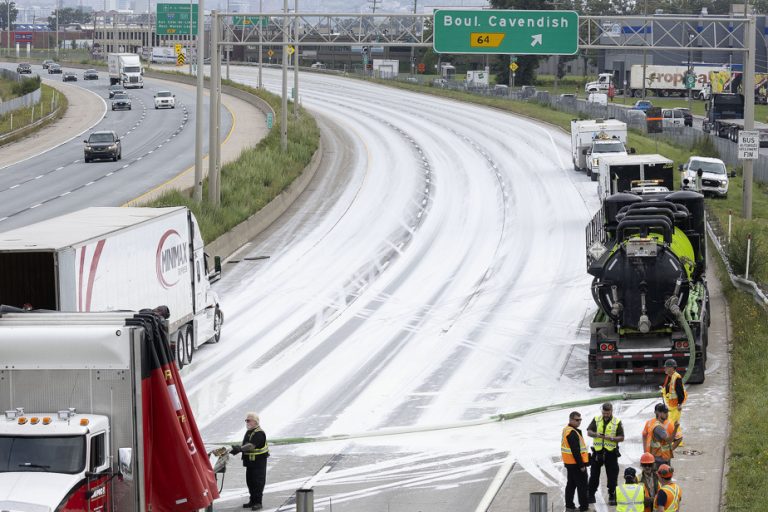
<point>25,101</point>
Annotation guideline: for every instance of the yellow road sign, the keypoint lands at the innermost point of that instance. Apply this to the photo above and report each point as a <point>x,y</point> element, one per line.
<point>513,66</point>
<point>270,52</point>
<point>180,59</point>
<point>291,49</point>
<point>485,39</point>
<point>178,48</point>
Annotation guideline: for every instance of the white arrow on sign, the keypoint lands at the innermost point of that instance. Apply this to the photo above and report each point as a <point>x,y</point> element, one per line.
<point>536,39</point>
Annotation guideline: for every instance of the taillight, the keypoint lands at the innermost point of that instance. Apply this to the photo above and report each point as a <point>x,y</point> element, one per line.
<point>681,344</point>
<point>607,347</point>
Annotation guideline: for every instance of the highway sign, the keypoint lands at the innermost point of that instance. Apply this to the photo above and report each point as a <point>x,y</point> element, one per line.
<point>513,66</point>
<point>180,59</point>
<point>502,31</point>
<point>178,49</point>
<point>690,80</point>
<point>270,53</point>
<point>269,120</point>
<point>173,19</point>
<point>291,49</point>
<point>749,145</point>
<point>249,21</point>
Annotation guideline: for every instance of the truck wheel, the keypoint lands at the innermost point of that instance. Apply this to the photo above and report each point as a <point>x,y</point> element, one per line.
<point>637,93</point>
<point>697,375</point>
<point>180,350</point>
<point>189,343</point>
<point>218,319</point>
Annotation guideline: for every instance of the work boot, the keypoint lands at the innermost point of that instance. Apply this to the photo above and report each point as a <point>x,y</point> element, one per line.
<point>257,507</point>
<point>592,499</point>
<point>612,499</point>
<point>248,505</point>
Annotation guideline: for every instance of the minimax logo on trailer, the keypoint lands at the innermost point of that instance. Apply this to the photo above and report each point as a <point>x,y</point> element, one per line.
<point>171,258</point>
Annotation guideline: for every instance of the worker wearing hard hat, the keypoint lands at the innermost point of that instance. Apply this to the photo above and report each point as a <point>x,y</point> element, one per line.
<point>255,451</point>
<point>670,495</point>
<point>630,496</point>
<point>673,391</point>
<point>649,479</point>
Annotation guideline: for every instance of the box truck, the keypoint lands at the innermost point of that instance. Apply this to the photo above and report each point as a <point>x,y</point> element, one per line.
<point>108,259</point>
<point>125,69</point>
<point>668,80</point>
<point>634,173</point>
<point>584,133</point>
<point>95,417</point>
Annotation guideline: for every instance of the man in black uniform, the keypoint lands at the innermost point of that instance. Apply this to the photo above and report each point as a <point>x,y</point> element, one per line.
<point>255,451</point>
<point>607,432</point>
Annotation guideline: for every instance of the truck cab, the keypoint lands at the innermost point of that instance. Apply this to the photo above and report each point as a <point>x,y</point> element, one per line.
<point>603,145</point>
<point>706,175</point>
<point>56,460</point>
<point>602,84</point>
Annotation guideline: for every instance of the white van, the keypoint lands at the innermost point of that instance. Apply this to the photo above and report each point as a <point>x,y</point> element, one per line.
<point>671,118</point>
<point>599,98</point>
<point>317,65</point>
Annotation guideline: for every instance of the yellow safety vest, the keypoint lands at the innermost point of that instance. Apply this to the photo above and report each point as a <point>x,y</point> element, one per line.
<point>609,430</point>
<point>565,448</point>
<point>671,398</point>
<point>251,455</point>
<point>630,498</point>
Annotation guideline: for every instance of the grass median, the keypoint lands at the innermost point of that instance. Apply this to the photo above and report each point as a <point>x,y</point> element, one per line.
<point>259,174</point>
<point>20,122</point>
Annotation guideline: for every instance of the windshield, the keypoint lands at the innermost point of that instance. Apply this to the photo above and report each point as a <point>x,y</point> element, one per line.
<point>132,69</point>
<point>713,167</point>
<point>164,94</point>
<point>121,96</point>
<point>101,137</point>
<point>65,454</point>
<point>608,147</point>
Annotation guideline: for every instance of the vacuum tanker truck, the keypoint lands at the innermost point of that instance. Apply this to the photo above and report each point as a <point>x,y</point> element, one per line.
<point>647,255</point>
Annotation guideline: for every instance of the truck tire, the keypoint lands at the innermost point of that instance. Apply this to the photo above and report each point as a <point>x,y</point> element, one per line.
<point>179,350</point>
<point>637,93</point>
<point>218,320</point>
<point>189,343</point>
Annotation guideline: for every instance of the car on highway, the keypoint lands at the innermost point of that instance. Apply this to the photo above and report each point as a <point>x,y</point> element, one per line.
<point>54,69</point>
<point>114,89</point>
<point>69,76</point>
<point>712,172</point>
<point>687,116</point>
<point>47,63</point>
<point>103,145</point>
<point>90,74</point>
<point>164,99</point>
<point>24,68</point>
<point>643,105</point>
<point>121,101</point>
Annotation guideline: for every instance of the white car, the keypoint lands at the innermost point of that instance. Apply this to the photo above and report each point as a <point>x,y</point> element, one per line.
<point>164,99</point>
<point>714,176</point>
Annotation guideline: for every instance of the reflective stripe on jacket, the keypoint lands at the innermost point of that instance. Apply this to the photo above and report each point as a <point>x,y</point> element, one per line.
<point>630,498</point>
<point>609,430</point>
<point>674,495</point>
<point>669,390</point>
<point>659,448</point>
<point>565,448</point>
<point>252,454</point>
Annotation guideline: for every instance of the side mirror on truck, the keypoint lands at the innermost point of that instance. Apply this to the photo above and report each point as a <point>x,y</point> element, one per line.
<point>632,151</point>
<point>680,167</point>
<point>732,174</point>
<point>124,463</point>
<point>583,151</point>
<point>217,264</point>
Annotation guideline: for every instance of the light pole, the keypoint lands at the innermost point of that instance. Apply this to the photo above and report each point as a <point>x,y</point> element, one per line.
<point>8,14</point>
<point>57,28</point>
<point>690,71</point>
<point>261,38</point>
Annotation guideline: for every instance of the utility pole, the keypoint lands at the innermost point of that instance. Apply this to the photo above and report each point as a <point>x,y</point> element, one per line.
<point>8,5</point>
<point>197,193</point>
<point>284,103</point>
<point>749,107</point>
<point>261,39</point>
<point>645,15</point>
<point>413,49</point>
<point>57,27</point>
<point>213,129</point>
<point>296,60</point>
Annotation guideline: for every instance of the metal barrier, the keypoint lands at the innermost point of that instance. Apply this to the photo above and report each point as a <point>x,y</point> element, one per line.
<point>305,500</point>
<point>538,502</point>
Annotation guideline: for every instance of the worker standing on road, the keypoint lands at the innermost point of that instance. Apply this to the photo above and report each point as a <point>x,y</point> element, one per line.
<point>670,495</point>
<point>576,459</point>
<point>660,437</point>
<point>673,391</point>
<point>607,432</point>
<point>649,479</point>
<point>630,496</point>
<point>255,451</point>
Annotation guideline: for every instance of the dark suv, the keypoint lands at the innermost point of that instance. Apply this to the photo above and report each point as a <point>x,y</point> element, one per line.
<point>103,145</point>
<point>24,68</point>
<point>687,116</point>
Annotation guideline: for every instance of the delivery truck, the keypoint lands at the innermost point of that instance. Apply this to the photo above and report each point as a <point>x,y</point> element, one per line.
<point>96,417</point>
<point>125,69</point>
<point>108,259</point>
<point>584,134</point>
<point>668,80</point>
<point>637,174</point>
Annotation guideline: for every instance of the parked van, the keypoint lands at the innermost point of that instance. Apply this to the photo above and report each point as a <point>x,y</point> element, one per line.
<point>672,118</point>
<point>599,98</point>
<point>317,65</point>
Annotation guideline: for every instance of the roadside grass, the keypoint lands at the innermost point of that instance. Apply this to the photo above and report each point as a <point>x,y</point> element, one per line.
<point>50,100</point>
<point>259,175</point>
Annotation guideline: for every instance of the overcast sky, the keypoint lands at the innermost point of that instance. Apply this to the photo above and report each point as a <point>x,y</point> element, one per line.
<point>383,6</point>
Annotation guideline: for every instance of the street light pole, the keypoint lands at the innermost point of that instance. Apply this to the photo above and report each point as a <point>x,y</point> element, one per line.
<point>261,38</point>
<point>57,28</point>
<point>690,71</point>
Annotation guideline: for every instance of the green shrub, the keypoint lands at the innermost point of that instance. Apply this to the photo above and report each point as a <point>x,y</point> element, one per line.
<point>704,146</point>
<point>737,250</point>
<point>26,85</point>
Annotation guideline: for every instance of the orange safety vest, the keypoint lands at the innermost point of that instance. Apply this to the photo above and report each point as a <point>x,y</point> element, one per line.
<point>674,495</point>
<point>651,488</point>
<point>658,448</point>
<point>670,393</point>
<point>565,448</point>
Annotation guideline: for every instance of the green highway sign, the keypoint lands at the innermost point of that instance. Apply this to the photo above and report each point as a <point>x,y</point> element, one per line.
<point>504,31</point>
<point>173,19</point>
<point>690,80</point>
<point>249,21</point>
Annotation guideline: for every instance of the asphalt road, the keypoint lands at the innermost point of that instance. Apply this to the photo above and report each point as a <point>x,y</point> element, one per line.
<point>157,145</point>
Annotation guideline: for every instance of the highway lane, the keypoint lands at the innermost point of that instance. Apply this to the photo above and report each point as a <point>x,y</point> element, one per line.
<point>157,145</point>
<point>441,281</point>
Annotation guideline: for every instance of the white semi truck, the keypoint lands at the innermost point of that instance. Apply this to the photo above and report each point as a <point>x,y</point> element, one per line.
<point>125,69</point>
<point>95,417</point>
<point>108,259</point>
<point>659,81</point>
<point>591,138</point>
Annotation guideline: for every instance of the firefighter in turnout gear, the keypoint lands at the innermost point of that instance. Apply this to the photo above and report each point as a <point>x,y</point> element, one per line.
<point>576,459</point>
<point>607,432</point>
<point>673,391</point>
<point>630,496</point>
<point>670,495</point>
<point>255,451</point>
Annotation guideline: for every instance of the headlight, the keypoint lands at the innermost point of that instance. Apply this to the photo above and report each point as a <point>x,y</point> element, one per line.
<point>724,183</point>
<point>113,146</point>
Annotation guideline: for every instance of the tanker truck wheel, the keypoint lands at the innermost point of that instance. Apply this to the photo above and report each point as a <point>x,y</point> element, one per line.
<point>218,319</point>
<point>189,343</point>
<point>179,350</point>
